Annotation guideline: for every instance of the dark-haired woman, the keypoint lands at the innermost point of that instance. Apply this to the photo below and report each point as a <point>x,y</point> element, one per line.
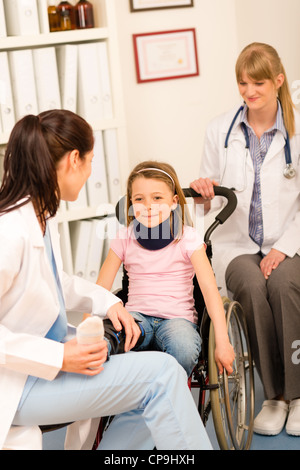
<point>46,378</point>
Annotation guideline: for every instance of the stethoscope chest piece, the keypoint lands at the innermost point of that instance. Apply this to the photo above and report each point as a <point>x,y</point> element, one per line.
<point>289,172</point>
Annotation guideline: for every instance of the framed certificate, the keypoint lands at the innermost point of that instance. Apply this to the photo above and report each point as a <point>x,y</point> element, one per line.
<point>166,55</point>
<point>140,5</point>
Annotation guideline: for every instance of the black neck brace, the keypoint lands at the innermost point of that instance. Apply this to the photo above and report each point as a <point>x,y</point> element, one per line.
<point>158,237</point>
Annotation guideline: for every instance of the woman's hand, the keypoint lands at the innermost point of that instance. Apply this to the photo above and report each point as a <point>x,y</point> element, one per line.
<point>84,359</point>
<point>224,356</point>
<point>205,187</point>
<point>119,317</point>
<point>271,261</point>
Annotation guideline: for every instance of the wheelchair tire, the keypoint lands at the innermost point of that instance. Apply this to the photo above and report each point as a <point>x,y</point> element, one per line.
<point>232,401</point>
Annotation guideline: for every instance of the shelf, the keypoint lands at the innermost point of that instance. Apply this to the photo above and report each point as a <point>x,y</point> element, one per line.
<point>89,212</point>
<point>51,39</point>
<point>104,13</point>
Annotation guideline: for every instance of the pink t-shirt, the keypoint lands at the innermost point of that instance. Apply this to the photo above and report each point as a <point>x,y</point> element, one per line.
<point>160,281</point>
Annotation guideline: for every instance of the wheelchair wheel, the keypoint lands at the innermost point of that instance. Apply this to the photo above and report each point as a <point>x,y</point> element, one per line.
<point>233,400</point>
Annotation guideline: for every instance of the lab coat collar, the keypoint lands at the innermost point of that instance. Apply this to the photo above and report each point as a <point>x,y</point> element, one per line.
<point>225,123</point>
<point>277,144</point>
<point>278,125</point>
<point>297,123</point>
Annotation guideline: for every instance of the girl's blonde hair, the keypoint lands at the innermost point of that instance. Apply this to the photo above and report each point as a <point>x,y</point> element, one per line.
<point>262,62</point>
<point>160,171</point>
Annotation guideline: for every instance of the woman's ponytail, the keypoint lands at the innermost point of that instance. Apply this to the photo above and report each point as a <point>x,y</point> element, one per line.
<point>35,147</point>
<point>29,170</point>
<point>287,105</point>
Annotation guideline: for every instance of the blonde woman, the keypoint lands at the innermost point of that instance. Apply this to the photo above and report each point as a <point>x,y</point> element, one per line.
<point>255,150</point>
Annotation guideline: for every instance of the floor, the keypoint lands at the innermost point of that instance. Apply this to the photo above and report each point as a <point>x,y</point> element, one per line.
<point>282,441</point>
<point>55,440</point>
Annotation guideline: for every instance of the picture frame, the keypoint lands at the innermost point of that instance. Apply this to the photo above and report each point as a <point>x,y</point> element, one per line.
<point>166,55</point>
<point>146,5</point>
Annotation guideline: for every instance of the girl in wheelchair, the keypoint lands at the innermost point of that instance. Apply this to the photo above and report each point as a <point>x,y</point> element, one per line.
<point>161,255</point>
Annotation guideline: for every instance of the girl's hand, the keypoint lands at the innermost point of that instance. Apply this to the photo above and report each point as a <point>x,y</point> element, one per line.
<point>271,261</point>
<point>121,318</point>
<point>84,359</point>
<point>224,357</point>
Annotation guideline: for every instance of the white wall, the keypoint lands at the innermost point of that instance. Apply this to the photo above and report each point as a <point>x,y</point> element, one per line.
<point>274,22</point>
<point>166,120</point>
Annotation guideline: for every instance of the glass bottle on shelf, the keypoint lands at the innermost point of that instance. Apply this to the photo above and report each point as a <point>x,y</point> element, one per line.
<point>84,14</point>
<point>65,20</point>
<point>53,16</point>
<point>67,16</point>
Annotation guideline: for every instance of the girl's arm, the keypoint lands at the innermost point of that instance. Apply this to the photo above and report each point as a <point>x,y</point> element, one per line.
<point>224,353</point>
<point>107,273</point>
<point>109,270</point>
<point>117,314</point>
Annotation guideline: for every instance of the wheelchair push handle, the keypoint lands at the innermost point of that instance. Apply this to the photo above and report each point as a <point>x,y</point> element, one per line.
<point>219,191</point>
<point>189,192</point>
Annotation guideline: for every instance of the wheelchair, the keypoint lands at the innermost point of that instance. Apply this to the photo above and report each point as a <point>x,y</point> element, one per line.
<point>230,398</point>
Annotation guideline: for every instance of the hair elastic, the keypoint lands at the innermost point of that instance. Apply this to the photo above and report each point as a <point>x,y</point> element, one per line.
<point>158,169</point>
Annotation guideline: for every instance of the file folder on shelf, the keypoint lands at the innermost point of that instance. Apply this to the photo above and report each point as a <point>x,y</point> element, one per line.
<point>95,249</point>
<point>65,246</point>
<point>3,32</point>
<point>67,73</point>
<point>111,230</point>
<point>46,78</point>
<point>90,105</point>
<point>80,233</point>
<point>21,17</point>
<point>7,112</point>
<point>112,165</point>
<point>97,184</point>
<point>1,163</point>
<point>105,81</point>
<point>23,82</point>
<point>42,6</point>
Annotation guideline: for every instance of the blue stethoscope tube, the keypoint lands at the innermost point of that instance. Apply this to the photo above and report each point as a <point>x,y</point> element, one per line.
<point>289,171</point>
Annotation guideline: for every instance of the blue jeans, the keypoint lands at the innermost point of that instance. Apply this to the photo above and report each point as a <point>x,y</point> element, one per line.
<point>177,337</point>
<point>147,391</point>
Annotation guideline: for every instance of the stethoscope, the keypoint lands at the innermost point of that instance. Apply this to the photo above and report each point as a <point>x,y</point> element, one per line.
<point>289,171</point>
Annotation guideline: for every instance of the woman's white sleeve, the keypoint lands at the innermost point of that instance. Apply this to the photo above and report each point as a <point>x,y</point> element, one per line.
<point>20,352</point>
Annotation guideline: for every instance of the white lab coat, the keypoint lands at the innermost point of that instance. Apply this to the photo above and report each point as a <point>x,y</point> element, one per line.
<point>280,196</point>
<point>28,307</point>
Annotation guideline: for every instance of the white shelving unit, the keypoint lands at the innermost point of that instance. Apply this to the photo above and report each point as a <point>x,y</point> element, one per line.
<point>105,30</point>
